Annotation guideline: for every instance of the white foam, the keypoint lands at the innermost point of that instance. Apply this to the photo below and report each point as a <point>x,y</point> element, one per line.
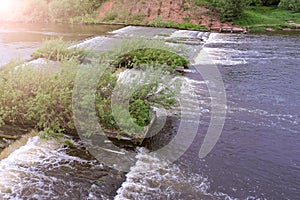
<point>184,34</point>
<point>12,168</point>
<point>90,42</point>
<point>24,168</point>
<point>124,30</point>
<point>155,178</point>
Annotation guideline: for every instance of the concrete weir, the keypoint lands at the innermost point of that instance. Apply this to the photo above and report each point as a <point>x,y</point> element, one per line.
<point>228,30</point>
<point>171,36</point>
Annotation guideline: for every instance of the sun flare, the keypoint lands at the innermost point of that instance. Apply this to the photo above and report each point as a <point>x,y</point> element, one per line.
<point>7,6</point>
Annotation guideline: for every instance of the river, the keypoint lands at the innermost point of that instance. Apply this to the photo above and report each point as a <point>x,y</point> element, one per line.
<point>256,157</point>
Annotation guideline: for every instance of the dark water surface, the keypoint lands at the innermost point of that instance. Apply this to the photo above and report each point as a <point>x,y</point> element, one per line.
<point>258,154</point>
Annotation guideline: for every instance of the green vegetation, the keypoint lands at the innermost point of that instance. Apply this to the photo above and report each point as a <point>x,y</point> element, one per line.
<point>45,11</point>
<point>58,50</point>
<point>169,24</point>
<point>228,9</point>
<point>141,95</point>
<point>140,52</point>
<point>252,13</point>
<point>41,97</point>
<point>293,5</point>
<point>255,12</point>
<point>257,18</point>
<point>150,56</point>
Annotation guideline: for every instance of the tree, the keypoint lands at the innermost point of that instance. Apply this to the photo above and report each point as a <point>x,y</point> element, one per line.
<point>230,9</point>
<point>270,2</point>
<point>290,5</point>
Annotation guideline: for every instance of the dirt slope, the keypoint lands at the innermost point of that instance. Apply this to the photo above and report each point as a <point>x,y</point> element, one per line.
<point>145,12</point>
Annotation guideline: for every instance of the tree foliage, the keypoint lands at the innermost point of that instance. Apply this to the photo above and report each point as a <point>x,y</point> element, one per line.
<point>293,5</point>
<point>229,9</point>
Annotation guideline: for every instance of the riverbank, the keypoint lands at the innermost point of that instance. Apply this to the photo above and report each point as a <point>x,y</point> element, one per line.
<point>268,19</point>
<point>166,14</point>
<point>195,15</point>
<point>188,15</point>
<point>9,134</point>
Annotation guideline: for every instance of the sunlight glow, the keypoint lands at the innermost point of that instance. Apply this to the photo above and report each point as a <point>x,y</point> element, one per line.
<point>7,6</point>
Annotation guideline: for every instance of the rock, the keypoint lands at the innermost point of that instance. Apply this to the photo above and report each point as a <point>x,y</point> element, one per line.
<point>270,29</point>
<point>2,146</point>
<point>297,25</point>
<point>10,137</point>
<point>226,30</point>
<point>238,30</point>
<point>215,29</point>
<point>180,69</point>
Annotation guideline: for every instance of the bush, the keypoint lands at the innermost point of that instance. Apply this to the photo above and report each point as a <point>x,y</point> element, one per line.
<point>150,89</point>
<point>141,52</point>
<point>42,98</point>
<point>270,2</point>
<point>44,11</point>
<point>293,5</point>
<point>142,57</point>
<point>230,9</point>
<point>34,11</point>
<point>63,10</point>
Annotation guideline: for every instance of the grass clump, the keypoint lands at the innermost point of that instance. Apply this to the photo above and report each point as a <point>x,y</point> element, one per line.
<point>59,50</point>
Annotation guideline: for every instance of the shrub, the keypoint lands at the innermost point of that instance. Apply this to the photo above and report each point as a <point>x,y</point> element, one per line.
<point>63,10</point>
<point>137,52</point>
<point>150,87</point>
<point>230,9</point>
<point>37,97</point>
<point>110,16</point>
<point>44,11</point>
<point>142,57</point>
<point>270,2</point>
<point>34,11</point>
<point>293,5</point>
<point>42,97</point>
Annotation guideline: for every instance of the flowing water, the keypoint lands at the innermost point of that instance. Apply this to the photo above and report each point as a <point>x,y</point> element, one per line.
<point>256,157</point>
<point>19,41</point>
